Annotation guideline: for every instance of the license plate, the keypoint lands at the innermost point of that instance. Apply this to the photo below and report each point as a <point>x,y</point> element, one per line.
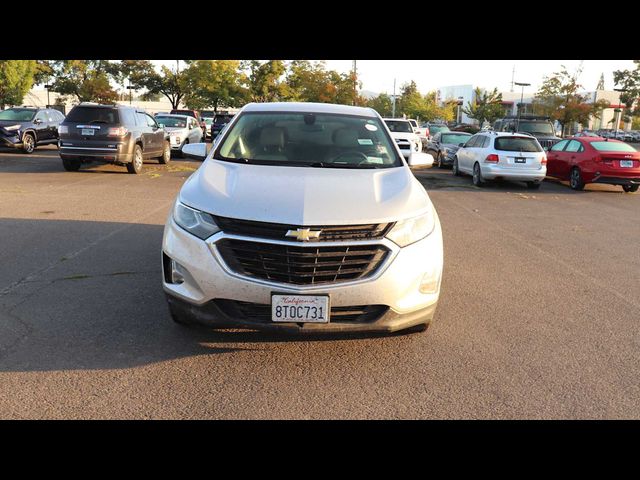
<point>521,160</point>
<point>626,163</point>
<point>88,131</point>
<point>300,308</point>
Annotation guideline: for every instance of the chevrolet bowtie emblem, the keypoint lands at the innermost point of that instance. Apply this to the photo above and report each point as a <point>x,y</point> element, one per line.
<point>304,234</point>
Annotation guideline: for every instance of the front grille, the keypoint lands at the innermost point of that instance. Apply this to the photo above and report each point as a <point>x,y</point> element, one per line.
<point>261,313</point>
<point>278,231</point>
<point>299,265</point>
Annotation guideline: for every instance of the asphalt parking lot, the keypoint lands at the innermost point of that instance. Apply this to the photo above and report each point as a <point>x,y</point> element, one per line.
<point>537,317</point>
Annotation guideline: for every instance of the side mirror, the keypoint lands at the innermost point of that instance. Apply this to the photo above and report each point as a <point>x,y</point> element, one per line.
<point>419,159</point>
<point>37,121</point>
<point>197,151</point>
<point>461,144</point>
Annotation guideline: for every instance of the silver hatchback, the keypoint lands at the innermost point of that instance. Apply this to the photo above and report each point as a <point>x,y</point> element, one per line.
<point>502,156</point>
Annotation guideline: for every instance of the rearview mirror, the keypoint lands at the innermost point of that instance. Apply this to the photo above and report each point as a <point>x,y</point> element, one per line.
<point>418,159</point>
<point>197,151</point>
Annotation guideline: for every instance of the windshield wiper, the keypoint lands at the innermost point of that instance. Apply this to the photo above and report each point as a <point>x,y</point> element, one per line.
<point>97,121</point>
<point>343,165</point>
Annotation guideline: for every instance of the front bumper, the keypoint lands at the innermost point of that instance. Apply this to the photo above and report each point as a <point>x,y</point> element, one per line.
<point>12,141</point>
<point>395,284</point>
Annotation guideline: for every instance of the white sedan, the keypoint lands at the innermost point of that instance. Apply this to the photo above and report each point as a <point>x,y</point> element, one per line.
<point>182,129</point>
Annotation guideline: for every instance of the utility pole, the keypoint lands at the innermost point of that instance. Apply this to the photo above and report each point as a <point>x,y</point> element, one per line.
<point>355,82</point>
<point>393,108</point>
<point>521,84</point>
<point>513,75</point>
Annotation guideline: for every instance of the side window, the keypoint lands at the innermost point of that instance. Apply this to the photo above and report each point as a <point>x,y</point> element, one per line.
<point>127,116</point>
<point>483,142</point>
<point>141,119</point>
<point>574,146</point>
<point>42,116</point>
<point>151,121</point>
<point>558,147</point>
<point>471,142</point>
<point>436,137</point>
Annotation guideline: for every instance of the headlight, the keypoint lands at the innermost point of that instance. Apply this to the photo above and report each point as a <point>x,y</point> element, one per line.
<point>198,223</point>
<point>411,230</point>
<point>11,128</point>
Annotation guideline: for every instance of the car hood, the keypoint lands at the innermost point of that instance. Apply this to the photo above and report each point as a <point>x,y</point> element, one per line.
<point>305,196</point>
<point>8,123</point>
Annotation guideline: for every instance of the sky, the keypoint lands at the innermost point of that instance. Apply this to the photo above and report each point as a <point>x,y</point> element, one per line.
<point>378,75</point>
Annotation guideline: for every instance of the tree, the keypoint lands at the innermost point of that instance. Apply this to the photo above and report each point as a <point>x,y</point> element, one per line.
<point>87,80</point>
<point>629,80</point>
<point>16,79</point>
<point>423,107</point>
<point>265,81</point>
<point>213,83</point>
<point>486,106</point>
<point>168,83</point>
<point>558,98</point>
<point>381,104</point>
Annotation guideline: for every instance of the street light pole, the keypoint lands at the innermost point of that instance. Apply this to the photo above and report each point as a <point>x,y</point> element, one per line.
<point>129,87</point>
<point>48,101</point>
<point>521,100</point>
<point>618,110</point>
<point>458,119</point>
<point>393,107</point>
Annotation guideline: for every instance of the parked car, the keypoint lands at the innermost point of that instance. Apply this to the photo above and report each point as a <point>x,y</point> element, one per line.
<point>117,134</point>
<point>433,127</point>
<point>182,129</point>
<point>540,127</point>
<point>26,128</point>
<point>585,133</point>
<point>208,123</point>
<point>444,145</point>
<point>586,160</point>
<point>466,127</point>
<point>403,134</point>
<point>192,113</point>
<point>219,122</point>
<point>502,156</point>
<point>303,217</point>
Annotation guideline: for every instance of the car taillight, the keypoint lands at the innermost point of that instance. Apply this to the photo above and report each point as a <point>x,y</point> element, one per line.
<point>544,160</point>
<point>493,158</point>
<point>117,132</point>
<point>63,129</point>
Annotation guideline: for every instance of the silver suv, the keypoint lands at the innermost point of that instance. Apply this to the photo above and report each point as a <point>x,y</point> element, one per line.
<point>502,156</point>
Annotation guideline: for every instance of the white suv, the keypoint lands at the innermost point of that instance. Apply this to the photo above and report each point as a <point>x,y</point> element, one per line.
<point>303,217</point>
<point>403,133</point>
<point>502,156</point>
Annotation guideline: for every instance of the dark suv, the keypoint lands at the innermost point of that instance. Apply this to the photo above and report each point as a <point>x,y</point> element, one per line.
<point>117,134</point>
<point>219,121</point>
<point>537,126</point>
<point>27,127</point>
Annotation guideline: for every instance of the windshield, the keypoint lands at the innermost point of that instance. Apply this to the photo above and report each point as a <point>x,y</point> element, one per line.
<point>433,129</point>
<point>18,114</point>
<point>454,138</point>
<point>399,126</point>
<point>177,122</point>
<point>308,140</point>
<point>208,120</point>
<point>93,115</point>
<point>537,128</point>
<point>613,147</point>
<point>517,144</point>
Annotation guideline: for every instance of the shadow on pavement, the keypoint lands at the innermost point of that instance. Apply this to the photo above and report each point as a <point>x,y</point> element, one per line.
<point>77,295</point>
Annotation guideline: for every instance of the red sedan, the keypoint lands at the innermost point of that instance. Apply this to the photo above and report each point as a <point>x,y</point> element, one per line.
<point>585,160</point>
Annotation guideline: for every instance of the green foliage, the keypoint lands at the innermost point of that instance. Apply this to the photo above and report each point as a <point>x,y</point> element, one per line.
<point>381,104</point>
<point>214,83</point>
<point>16,79</point>
<point>629,80</point>
<point>87,80</point>
<point>312,82</point>
<point>558,98</point>
<point>486,106</point>
<point>421,107</point>
<point>266,83</point>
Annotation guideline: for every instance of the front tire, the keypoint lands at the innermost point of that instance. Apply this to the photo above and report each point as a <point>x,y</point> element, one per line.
<point>136,164</point>
<point>454,168</point>
<point>477,175</point>
<point>575,179</point>
<point>28,143</point>
<point>630,188</point>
